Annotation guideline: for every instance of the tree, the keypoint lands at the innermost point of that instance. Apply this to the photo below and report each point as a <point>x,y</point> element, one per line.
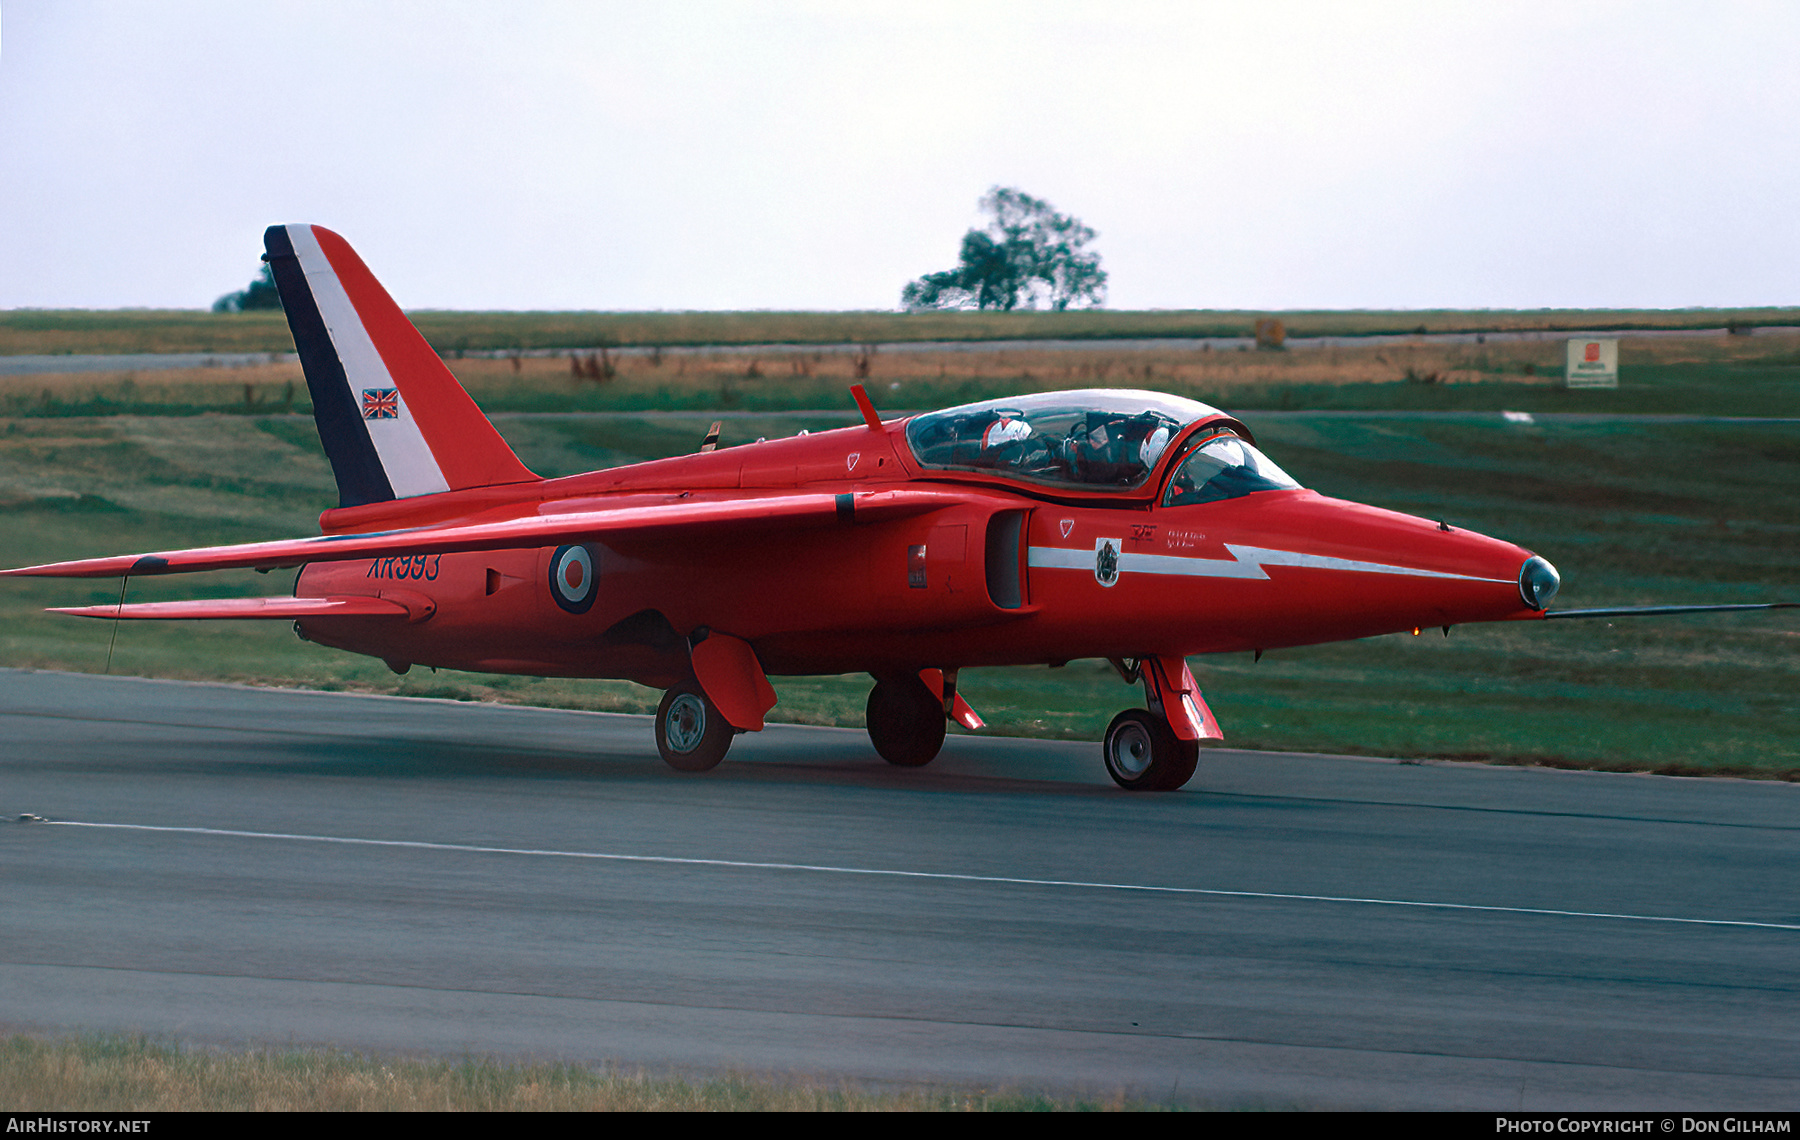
<point>259,294</point>
<point>1028,254</point>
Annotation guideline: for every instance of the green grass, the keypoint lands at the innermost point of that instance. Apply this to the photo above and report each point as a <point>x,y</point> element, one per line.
<point>1705,389</point>
<point>192,330</point>
<point>137,1075</point>
<point>1631,513</point>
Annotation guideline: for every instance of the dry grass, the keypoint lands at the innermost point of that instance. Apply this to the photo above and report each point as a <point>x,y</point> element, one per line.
<point>140,330</point>
<point>113,1074</point>
<point>262,388</point>
<point>1047,369</point>
<point>898,379</point>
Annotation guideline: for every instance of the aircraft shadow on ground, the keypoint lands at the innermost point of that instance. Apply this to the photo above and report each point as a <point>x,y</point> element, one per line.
<point>848,762</point>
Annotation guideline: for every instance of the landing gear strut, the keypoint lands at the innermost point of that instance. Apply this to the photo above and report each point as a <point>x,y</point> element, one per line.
<point>906,722</point>
<point>690,732</point>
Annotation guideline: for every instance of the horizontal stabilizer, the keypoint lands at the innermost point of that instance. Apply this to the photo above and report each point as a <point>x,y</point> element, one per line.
<point>673,521</point>
<point>1657,611</point>
<point>244,609</point>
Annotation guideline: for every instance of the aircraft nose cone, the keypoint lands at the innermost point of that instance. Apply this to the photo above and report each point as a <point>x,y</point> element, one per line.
<point>1538,582</point>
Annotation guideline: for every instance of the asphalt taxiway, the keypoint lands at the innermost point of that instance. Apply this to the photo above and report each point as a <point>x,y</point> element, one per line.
<point>237,866</point>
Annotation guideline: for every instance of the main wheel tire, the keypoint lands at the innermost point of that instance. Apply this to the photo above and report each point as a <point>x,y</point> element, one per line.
<point>1143,755</point>
<point>906,723</point>
<point>691,734</point>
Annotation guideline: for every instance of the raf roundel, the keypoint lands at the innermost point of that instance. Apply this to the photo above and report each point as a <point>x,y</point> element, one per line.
<point>573,578</point>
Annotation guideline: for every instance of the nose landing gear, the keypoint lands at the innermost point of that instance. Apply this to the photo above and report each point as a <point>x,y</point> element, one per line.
<point>1157,750</point>
<point>1142,754</point>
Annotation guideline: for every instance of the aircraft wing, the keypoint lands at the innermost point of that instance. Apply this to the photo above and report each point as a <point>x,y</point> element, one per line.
<point>673,520</point>
<point>244,609</point>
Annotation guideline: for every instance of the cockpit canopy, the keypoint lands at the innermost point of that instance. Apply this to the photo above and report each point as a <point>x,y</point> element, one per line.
<point>1095,440</point>
<point>1223,466</point>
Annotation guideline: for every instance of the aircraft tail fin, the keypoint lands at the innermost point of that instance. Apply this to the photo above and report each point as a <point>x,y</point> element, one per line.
<point>394,421</point>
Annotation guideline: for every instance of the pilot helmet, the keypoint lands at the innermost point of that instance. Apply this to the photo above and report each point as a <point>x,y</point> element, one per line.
<point>1005,430</point>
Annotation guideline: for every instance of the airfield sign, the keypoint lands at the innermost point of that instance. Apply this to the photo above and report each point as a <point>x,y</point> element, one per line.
<point>1593,363</point>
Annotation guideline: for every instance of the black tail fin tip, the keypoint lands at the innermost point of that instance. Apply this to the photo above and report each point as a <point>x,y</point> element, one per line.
<point>354,461</point>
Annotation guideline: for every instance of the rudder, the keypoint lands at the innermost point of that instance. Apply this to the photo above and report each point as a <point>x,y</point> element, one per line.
<point>394,422</point>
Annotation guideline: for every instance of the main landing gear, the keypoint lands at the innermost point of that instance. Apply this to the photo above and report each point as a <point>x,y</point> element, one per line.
<point>691,733</point>
<point>727,693</point>
<point>1143,750</point>
<point>906,720</point>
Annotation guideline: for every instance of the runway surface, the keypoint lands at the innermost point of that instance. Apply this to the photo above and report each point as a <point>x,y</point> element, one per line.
<point>427,876</point>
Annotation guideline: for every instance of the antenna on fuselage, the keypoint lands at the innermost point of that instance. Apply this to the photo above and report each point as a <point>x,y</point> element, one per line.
<point>712,436</point>
<point>863,404</point>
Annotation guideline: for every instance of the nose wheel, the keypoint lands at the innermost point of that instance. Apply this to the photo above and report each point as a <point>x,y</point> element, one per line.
<point>690,733</point>
<point>906,722</point>
<point>1143,755</point>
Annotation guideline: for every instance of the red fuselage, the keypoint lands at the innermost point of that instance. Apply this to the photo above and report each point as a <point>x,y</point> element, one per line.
<point>1006,573</point>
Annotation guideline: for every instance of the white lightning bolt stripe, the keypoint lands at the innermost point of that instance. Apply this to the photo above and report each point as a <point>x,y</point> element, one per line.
<point>1245,562</point>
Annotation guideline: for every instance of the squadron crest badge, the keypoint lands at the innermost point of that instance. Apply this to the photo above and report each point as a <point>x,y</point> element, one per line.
<point>1106,561</point>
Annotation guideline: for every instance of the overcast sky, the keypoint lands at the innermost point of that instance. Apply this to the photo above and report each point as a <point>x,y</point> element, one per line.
<point>819,155</point>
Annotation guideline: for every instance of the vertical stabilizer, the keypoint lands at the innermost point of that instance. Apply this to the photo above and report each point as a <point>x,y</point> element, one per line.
<point>395,423</point>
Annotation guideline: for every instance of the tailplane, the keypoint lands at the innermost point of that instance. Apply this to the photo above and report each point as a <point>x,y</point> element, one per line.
<point>395,423</point>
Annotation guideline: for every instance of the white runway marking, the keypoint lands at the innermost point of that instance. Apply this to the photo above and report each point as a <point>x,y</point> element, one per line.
<point>943,876</point>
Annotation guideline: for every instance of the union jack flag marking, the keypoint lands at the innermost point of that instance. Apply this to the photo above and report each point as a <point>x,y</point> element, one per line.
<point>381,404</point>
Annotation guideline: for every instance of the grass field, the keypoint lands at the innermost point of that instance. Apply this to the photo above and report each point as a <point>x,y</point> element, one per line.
<point>1715,375</point>
<point>193,330</point>
<point>1631,513</point>
<point>133,1075</point>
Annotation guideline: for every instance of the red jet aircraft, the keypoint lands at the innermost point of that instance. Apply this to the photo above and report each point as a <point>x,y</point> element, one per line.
<point>1131,526</point>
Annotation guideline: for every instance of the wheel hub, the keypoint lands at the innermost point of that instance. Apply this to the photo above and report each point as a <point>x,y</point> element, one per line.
<point>685,726</point>
<point>1132,751</point>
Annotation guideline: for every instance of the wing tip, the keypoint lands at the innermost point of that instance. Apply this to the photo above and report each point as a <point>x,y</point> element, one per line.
<point>44,570</point>
<point>118,566</point>
<point>281,607</point>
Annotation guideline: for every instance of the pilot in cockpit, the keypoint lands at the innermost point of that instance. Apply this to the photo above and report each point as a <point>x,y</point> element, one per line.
<point>1004,431</point>
<point>1010,443</point>
<point>1116,449</point>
